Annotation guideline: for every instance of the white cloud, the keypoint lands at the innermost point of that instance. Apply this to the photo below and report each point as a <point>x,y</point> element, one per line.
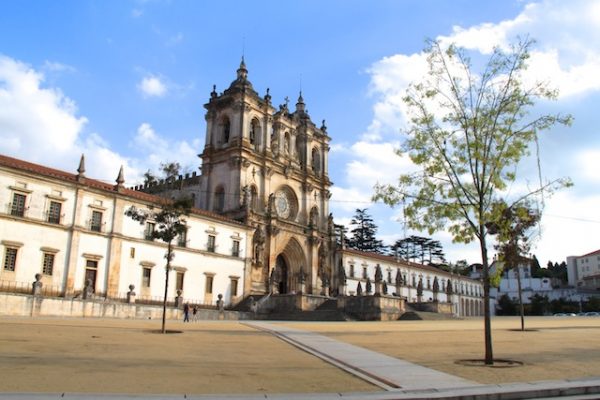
<point>589,164</point>
<point>175,39</point>
<point>155,149</point>
<point>53,66</point>
<point>152,86</point>
<point>37,121</point>
<point>42,125</point>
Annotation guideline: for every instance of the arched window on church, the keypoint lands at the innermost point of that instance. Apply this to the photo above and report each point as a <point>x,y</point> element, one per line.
<point>254,136</point>
<point>286,144</point>
<point>300,152</point>
<point>254,198</point>
<point>314,217</point>
<point>316,160</point>
<point>219,199</point>
<point>225,130</point>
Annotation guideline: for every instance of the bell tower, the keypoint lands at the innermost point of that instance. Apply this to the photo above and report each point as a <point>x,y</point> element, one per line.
<point>267,167</point>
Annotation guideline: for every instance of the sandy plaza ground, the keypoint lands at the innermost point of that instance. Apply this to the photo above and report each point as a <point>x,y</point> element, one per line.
<point>126,356</point>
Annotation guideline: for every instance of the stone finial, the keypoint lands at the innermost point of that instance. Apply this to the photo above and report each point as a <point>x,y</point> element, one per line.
<point>242,72</point>
<point>398,278</point>
<point>81,168</point>
<point>323,127</point>
<point>378,273</point>
<point>268,96</point>
<point>120,178</point>
<point>213,94</point>
<point>368,286</point>
<point>300,106</point>
<point>436,285</point>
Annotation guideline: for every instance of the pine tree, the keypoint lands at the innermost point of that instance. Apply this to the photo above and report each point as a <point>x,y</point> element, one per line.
<point>363,233</point>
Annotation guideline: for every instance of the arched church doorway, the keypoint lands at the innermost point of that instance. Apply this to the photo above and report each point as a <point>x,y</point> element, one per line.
<point>282,268</point>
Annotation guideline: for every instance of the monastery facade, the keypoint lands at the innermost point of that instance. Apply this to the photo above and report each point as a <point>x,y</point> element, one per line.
<point>260,224</point>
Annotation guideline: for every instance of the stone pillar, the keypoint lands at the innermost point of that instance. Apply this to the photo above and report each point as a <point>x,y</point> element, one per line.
<point>325,291</point>
<point>131,295</point>
<point>302,281</point>
<point>37,285</point>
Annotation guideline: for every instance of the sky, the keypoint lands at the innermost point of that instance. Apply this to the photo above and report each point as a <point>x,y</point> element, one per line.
<point>124,82</point>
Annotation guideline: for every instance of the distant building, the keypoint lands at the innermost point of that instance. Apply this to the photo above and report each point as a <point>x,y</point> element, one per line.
<point>530,286</point>
<point>584,271</point>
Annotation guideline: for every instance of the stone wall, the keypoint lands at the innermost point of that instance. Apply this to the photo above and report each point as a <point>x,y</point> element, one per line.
<point>372,308</point>
<point>36,306</point>
<point>433,306</point>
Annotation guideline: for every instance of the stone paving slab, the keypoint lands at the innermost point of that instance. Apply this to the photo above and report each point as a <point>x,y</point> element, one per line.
<point>387,372</point>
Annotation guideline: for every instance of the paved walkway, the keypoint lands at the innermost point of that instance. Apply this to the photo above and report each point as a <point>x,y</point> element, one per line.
<point>387,372</point>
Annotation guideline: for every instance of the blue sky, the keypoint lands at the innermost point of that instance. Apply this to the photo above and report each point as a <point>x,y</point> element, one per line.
<point>125,83</point>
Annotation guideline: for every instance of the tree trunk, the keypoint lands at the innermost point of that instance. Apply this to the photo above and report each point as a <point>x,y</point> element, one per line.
<point>167,268</point>
<point>489,355</point>
<point>522,309</point>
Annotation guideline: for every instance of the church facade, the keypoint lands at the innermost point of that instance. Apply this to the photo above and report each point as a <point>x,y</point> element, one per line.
<point>267,166</point>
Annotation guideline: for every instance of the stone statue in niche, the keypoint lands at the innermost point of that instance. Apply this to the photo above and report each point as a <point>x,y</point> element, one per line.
<point>246,198</point>
<point>259,245</point>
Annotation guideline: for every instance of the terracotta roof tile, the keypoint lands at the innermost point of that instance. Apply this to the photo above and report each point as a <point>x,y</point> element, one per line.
<point>591,254</point>
<point>26,166</point>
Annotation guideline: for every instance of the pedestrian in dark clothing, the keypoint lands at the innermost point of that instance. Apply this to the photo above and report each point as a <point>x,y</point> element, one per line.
<point>194,312</point>
<point>186,312</point>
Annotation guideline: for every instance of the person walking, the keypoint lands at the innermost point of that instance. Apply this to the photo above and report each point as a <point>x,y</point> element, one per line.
<point>194,312</point>
<point>186,312</point>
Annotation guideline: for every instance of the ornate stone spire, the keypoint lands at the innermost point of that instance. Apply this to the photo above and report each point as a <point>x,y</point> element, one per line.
<point>120,178</point>
<point>242,72</point>
<point>300,103</point>
<point>81,168</point>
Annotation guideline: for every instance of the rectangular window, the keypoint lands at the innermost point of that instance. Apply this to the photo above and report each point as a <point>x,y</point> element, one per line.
<point>365,275</point>
<point>182,239</point>
<point>132,252</point>
<point>351,270</point>
<point>234,287</point>
<point>96,223</point>
<point>91,271</point>
<point>149,231</point>
<point>209,285</point>
<point>146,273</point>
<point>389,276</point>
<point>414,281</point>
<point>54,212</point>
<point>18,205</point>
<point>10,259</point>
<point>235,251</point>
<point>48,264</point>
<point>179,281</point>
<point>210,246</point>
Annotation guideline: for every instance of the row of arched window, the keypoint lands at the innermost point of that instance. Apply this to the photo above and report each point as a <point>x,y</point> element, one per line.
<point>254,137</point>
